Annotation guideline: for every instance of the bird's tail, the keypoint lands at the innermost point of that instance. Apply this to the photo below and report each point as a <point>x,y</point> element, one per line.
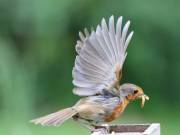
<point>56,118</point>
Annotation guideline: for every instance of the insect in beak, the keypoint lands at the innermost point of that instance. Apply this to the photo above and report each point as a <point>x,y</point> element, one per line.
<point>143,98</point>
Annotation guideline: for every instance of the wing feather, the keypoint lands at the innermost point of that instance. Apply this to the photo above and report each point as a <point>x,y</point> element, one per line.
<point>101,54</point>
<point>103,45</point>
<point>112,36</point>
<point>107,39</point>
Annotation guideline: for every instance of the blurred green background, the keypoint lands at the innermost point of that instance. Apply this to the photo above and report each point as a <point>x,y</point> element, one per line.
<point>37,41</point>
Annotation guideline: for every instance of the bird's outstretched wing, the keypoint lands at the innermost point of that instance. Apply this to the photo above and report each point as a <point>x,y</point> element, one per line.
<point>101,54</point>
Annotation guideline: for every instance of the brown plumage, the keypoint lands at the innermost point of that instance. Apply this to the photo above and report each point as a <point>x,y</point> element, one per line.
<point>117,111</point>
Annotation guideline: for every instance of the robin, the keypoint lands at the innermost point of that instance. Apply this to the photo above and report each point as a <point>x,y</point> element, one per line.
<point>96,76</point>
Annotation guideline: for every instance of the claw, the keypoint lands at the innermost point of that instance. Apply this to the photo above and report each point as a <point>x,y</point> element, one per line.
<point>101,131</point>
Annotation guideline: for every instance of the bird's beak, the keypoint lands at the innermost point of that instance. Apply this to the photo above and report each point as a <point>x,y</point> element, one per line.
<point>143,97</point>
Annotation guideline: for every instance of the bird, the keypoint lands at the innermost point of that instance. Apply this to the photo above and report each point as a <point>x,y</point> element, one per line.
<point>97,73</point>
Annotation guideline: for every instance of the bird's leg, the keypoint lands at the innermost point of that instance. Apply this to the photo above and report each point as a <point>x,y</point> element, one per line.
<point>104,130</point>
<point>86,124</point>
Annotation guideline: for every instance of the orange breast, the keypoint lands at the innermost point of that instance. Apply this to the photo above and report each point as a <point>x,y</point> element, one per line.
<point>118,110</point>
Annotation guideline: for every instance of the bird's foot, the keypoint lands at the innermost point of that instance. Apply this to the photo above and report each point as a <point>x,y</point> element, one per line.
<point>100,131</point>
<point>112,133</point>
<point>107,127</point>
<point>103,129</point>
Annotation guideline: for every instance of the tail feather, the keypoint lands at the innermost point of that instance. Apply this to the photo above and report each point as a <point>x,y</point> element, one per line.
<point>56,118</point>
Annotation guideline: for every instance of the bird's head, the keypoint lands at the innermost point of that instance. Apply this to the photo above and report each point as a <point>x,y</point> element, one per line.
<point>132,92</point>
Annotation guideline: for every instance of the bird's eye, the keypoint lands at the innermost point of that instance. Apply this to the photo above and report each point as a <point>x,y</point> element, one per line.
<point>135,91</point>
